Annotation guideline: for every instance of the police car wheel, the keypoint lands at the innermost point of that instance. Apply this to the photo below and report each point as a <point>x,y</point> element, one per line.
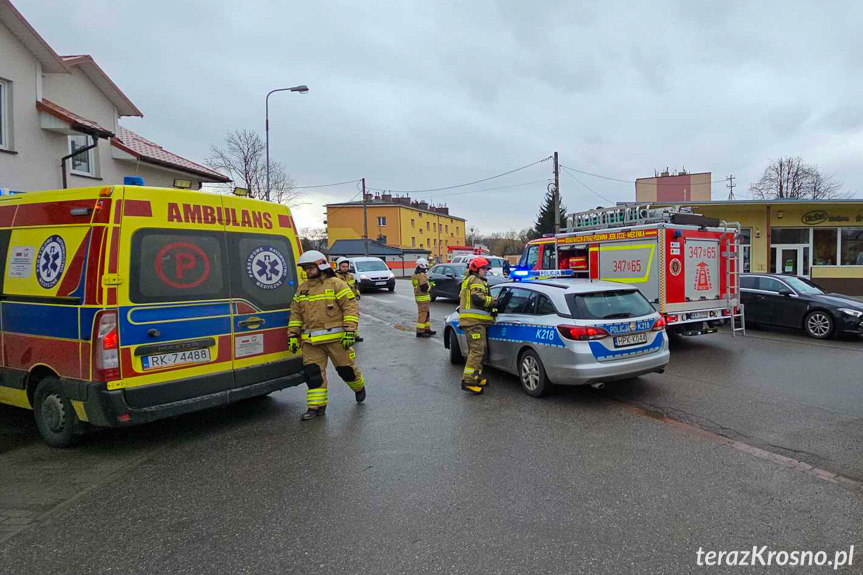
<point>54,414</point>
<point>532,375</point>
<point>455,355</point>
<point>433,296</point>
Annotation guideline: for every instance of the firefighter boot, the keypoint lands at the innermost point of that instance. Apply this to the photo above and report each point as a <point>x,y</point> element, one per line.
<point>313,413</point>
<point>472,388</point>
<point>430,332</point>
<point>361,395</point>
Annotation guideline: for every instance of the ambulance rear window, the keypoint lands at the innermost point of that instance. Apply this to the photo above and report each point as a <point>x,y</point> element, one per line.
<point>264,272</point>
<point>172,265</point>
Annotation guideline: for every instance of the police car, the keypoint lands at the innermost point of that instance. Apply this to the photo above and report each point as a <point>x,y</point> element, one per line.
<point>568,332</point>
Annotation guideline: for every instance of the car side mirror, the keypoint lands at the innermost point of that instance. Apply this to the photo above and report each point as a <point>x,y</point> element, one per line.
<point>786,292</point>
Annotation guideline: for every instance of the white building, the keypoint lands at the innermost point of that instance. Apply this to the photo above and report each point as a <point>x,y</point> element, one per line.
<point>52,105</point>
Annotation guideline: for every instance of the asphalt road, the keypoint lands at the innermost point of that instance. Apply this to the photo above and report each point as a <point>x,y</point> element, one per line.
<point>423,478</point>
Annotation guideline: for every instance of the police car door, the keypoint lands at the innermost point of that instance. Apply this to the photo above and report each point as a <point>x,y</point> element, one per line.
<point>261,251</point>
<point>509,331</point>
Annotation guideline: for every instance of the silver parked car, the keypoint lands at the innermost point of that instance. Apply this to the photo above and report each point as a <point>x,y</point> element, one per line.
<point>568,332</point>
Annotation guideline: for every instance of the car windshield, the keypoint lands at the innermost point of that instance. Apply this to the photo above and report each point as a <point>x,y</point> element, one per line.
<point>371,266</point>
<point>802,286</point>
<point>459,268</point>
<point>618,304</point>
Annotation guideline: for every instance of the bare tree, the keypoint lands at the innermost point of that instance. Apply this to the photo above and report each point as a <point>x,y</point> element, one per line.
<point>792,178</point>
<point>243,158</point>
<point>314,239</point>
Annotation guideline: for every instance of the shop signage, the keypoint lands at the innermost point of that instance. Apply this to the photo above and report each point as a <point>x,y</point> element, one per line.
<point>815,217</point>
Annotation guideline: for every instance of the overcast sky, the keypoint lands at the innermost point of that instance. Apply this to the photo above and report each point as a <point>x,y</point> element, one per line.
<point>416,95</point>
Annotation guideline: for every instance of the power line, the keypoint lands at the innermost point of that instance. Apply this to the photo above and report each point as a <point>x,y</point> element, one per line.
<point>633,181</point>
<point>545,181</point>
<point>462,185</point>
<point>588,188</point>
<point>325,185</point>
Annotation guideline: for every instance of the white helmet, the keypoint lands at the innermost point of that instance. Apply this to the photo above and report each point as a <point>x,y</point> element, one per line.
<point>314,257</point>
<point>341,260</point>
<point>422,263</point>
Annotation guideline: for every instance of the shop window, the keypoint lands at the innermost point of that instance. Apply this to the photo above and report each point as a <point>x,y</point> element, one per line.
<point>824,243</point>
<point>789,236</point>
<point>852,247</point>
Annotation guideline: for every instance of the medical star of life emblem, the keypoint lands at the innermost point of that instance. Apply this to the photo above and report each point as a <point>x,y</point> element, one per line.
<point>267,267</point>
<point>51,261</point>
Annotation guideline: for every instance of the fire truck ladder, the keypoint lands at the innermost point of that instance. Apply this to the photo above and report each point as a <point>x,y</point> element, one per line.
<point>622,216</point>
<point>732,278</point>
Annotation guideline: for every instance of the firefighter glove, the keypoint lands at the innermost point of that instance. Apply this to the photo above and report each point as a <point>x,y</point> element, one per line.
<point>294,344</point>
<point>349,339</point>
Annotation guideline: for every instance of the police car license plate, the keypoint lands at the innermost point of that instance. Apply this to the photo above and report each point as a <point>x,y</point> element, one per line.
<point>625,340</point>
<point>174,359</point>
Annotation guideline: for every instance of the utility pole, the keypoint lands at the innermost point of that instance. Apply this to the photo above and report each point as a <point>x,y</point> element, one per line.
<point>556,196</point>
<point>365,221</point>
<point>730,186</point>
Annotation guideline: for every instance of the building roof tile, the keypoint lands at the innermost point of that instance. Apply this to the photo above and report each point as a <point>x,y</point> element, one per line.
<point>152,153</point>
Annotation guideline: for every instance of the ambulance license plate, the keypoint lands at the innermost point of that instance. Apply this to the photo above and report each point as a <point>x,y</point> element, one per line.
<point>626,340</point>
<point>174,359</point>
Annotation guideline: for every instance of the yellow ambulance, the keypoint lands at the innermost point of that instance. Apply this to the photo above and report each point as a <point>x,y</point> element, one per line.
<point>124,304</point>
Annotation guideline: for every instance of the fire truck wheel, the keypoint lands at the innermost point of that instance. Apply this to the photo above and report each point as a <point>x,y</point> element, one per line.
<point>55,416</point>
<point>818,324</point>
<point>532,375</point>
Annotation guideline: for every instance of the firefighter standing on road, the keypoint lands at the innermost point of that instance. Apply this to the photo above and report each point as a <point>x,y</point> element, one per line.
<point>475,313</point>
<point>422,295</point>
<point>343,272</point>
<point>323,323</point>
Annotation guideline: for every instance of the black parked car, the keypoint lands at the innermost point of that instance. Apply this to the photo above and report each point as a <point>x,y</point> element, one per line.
<point>791,301</point>
<point>448,278</point>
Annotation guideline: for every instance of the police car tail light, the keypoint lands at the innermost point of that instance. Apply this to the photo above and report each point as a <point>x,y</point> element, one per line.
<point>659,324</point>
<point>581,332</point>
<point>106,347</point>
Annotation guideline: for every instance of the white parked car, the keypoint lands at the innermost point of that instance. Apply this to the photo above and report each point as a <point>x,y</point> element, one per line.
<point>372,274</point>
<point>499,266</point>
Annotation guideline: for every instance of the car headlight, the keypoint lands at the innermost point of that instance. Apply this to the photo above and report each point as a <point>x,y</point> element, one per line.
<point>392,276</point>
<point>851,312</point>
<point>362,277</point>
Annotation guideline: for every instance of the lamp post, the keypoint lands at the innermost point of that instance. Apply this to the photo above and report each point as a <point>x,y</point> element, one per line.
<point>302,90</point>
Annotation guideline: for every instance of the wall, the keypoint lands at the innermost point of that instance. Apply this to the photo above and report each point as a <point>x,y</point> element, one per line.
<point>426,239</point>
<point>683,188</point>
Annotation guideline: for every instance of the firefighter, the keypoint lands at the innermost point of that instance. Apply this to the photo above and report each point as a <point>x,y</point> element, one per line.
<point>422,295</point>
<point>476,312</point>
<point>323,323</point>
<point>343,272</point>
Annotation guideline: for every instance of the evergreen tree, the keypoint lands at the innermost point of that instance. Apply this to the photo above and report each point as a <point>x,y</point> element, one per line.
<point>545,219</point>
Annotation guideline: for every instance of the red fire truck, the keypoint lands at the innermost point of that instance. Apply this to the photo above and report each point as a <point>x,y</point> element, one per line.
<point>685,263</point>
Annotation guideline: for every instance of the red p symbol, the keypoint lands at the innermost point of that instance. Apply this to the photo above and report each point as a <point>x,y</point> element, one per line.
<point>183,261</point>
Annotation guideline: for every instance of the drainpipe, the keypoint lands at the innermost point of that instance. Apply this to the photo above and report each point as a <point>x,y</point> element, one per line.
<point>67,157</point>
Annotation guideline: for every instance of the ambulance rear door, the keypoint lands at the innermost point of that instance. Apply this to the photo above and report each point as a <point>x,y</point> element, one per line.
<point>262,250</point>
<point>174,298</point>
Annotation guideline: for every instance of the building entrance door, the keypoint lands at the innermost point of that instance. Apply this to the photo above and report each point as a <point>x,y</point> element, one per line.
<point>790,260</point>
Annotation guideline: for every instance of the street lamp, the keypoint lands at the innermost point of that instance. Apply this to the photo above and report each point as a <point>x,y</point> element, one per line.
<point>303,89</point>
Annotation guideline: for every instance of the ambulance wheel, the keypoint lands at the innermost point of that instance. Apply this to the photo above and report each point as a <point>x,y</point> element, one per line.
<point>455,356</point>
<point>531,373</point>
<point>55,416</point>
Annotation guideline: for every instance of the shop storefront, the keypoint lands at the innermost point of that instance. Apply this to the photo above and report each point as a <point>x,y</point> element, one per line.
<point>821,240</point>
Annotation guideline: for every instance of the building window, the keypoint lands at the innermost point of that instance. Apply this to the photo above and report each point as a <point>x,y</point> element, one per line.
<point>824,241</point>
<point>413,223</point>
<point>456,230</point>
<point>852,247</point>
<point>5,116</point>
<point>446,228</point>
<point>82,163</point>
<point>789,236</point>
<point>413,242</point>
<point>435,227</point>
<point>435,243</point>
<point>382,220</point>
<point>428,225</point>
<point>421,231</point>
<point>746,248</point>
<point>382,239</point>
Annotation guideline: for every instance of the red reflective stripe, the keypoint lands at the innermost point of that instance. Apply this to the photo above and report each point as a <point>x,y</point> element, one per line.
<point>102,211</point>
<point>24,351</point>
<point>284,221</point>
<point>94,260</point>
<point>72,279</point>
<point>138,208</point>
<point>52,213</point>
<point>7,215</point>
<point>115,250</point>
<point>118,212</point>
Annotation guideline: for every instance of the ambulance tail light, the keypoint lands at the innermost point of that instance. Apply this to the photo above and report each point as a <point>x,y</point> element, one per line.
<point>659,324</point>
<point>106,347</point>
<point>581,332</point>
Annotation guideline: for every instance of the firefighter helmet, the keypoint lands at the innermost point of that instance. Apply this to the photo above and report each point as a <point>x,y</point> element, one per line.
<point>422,263</point>
<point>477,263</point>
<point>314,257</point>
<point>342,260</point>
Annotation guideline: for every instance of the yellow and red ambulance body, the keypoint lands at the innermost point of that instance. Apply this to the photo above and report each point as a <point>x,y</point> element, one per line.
<point>687,271</point>
<point>125,304</point>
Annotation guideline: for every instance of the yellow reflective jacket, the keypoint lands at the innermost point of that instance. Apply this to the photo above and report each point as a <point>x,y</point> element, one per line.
<point>348,278</point>
<point>475,302</point>
<point>422,287</point>
<point>322,310</point>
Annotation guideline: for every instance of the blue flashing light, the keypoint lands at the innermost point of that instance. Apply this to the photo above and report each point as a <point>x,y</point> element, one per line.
<point>133,181</point>
<point>520,273</point>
